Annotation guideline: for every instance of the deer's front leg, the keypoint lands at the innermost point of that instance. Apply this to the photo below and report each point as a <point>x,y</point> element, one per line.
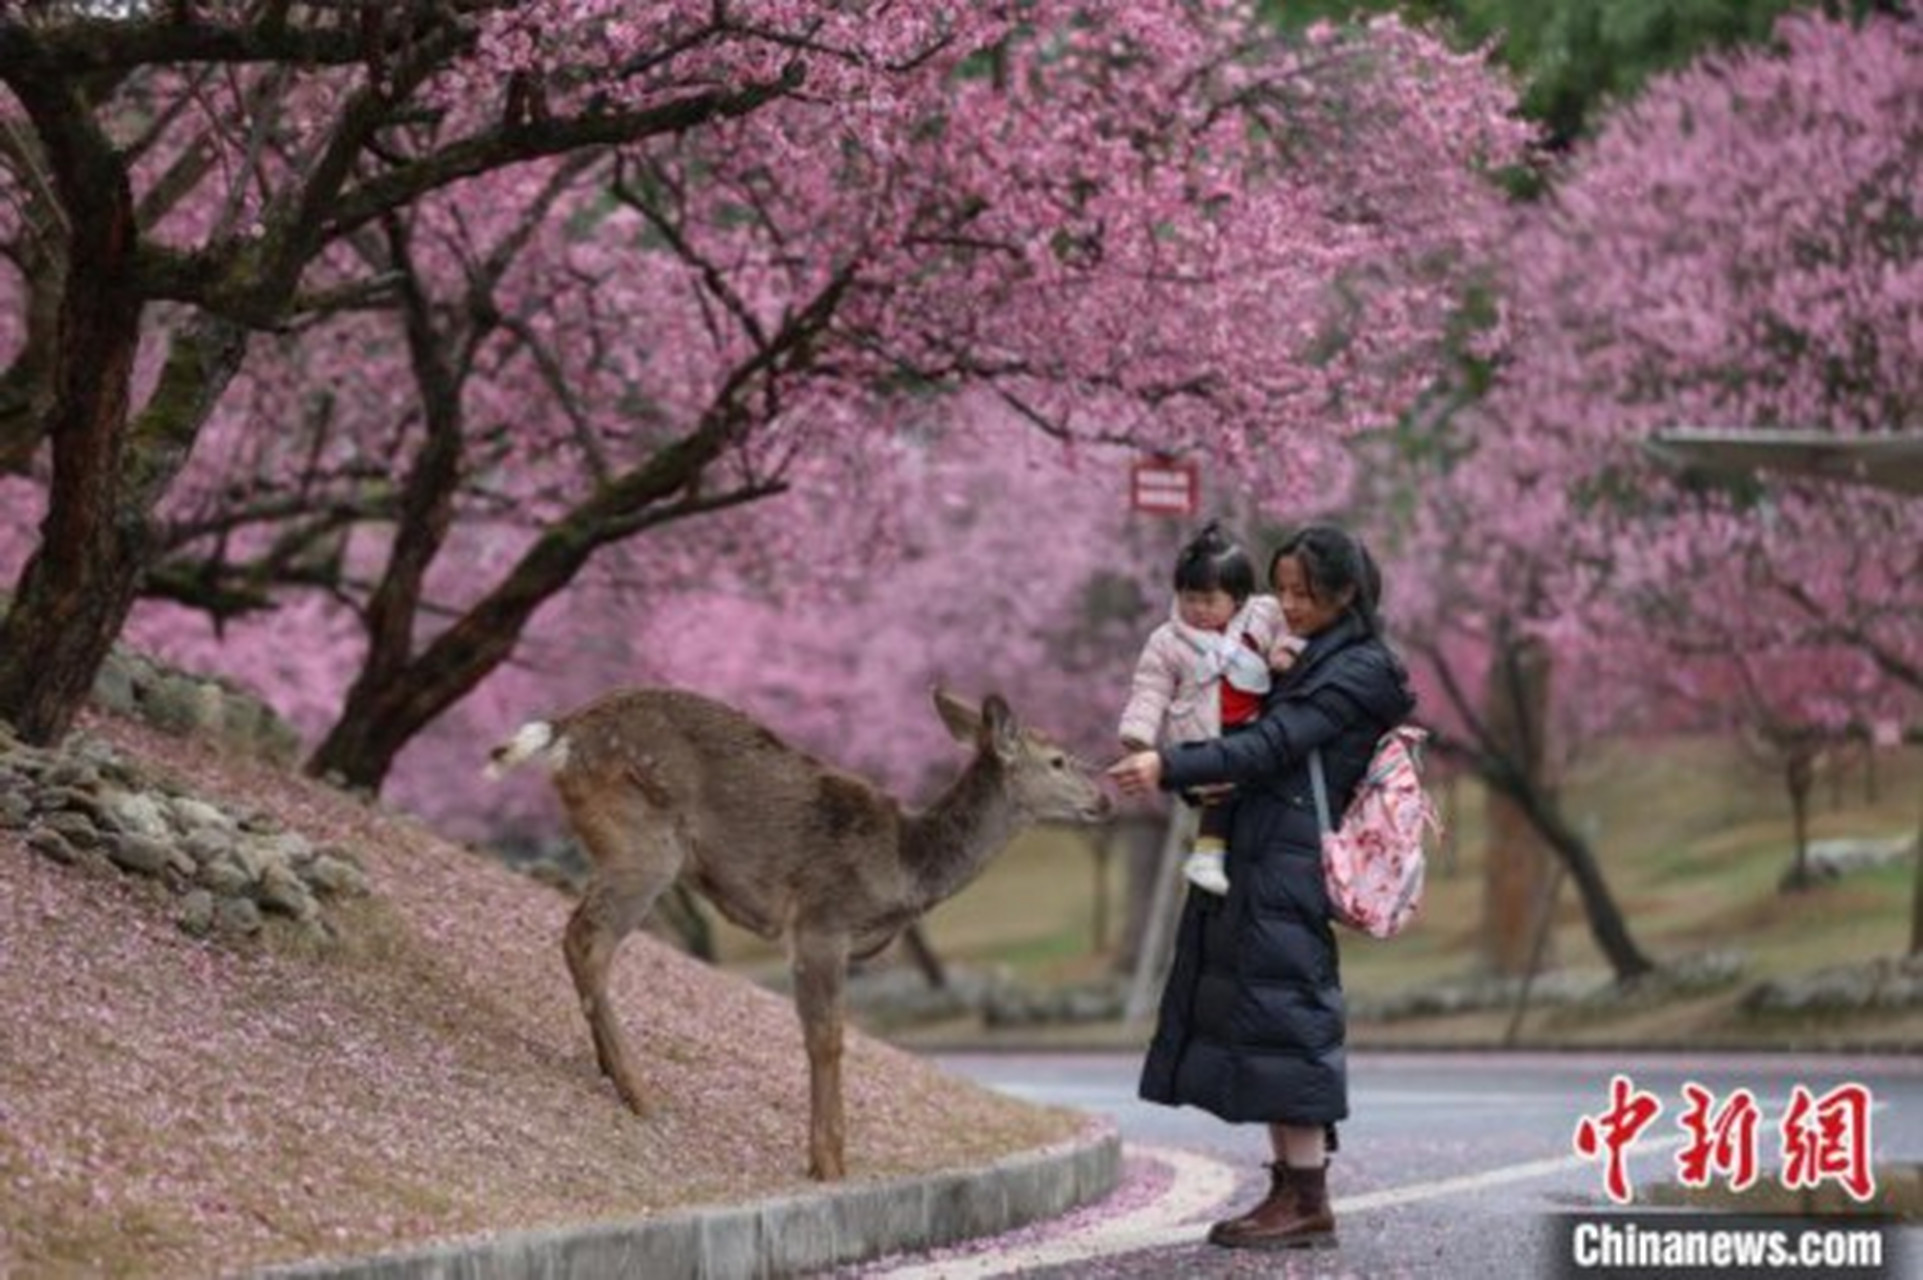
<point>609,909</point>
<point>820,967</point>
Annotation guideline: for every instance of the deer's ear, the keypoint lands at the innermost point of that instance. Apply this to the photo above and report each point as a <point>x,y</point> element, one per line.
<point>999,731</point>
<point>963,721</point>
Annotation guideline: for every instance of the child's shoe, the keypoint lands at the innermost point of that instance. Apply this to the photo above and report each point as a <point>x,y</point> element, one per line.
<point>1204,867</point>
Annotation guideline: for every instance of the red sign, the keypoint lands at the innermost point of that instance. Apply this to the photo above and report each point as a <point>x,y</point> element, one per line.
<point>1164,487</point>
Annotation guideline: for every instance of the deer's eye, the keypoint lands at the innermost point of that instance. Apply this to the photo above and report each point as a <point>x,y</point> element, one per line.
<point>1058,762</point>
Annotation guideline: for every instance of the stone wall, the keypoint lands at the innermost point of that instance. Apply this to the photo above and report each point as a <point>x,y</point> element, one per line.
<point>132,684</point>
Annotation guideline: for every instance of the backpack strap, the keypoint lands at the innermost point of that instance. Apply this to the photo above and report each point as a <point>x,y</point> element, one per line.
<point>1321,788</point>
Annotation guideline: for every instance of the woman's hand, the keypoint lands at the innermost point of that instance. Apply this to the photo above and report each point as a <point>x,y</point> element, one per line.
<point>1139,774</point>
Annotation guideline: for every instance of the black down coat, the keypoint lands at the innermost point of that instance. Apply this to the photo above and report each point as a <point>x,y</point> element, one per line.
<point>1252,1019</point>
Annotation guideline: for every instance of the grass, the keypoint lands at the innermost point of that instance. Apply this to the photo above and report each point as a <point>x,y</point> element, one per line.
<point>1693,840</point>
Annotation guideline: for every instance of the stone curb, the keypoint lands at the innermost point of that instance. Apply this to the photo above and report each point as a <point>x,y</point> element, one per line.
<point>787,1236</point>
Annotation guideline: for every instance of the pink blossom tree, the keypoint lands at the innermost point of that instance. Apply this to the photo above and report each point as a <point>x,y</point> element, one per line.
<point>1739,247</point>
<point>1162,226</point>
<point>214,156</point>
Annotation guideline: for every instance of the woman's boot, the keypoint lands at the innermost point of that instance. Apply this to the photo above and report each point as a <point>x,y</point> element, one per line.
<point>1278,1191</point>
<point>1299,1218</point>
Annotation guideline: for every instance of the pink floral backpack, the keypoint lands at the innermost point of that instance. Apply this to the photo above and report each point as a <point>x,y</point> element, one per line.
<point>1373,863</point>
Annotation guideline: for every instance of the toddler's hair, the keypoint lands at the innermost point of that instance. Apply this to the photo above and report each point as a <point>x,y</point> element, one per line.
<point>1214,560</point>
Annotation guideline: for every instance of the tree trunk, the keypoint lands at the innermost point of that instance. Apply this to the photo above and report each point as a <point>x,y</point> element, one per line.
<point>387,707</point>
<point>1500,773</point>
<point>1139,836</point>
<point>1606,923</point>
<point>1916,899</point>
<point>380,714</point>
<point>109,471</point>
<point>915,940</point>
<point>78,585</point>
<point>1799,777</point>
<point>1518,865</point>
<point>82,580</point>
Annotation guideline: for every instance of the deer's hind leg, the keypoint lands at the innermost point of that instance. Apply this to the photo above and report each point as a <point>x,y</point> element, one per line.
<point>821,969</point>
<point>633,863</point>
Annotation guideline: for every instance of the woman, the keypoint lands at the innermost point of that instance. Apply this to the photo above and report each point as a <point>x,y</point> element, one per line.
<point>1252,1019</point>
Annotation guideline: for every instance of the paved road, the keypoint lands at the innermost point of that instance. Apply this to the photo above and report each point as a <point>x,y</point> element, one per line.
<point>1451,1166</point>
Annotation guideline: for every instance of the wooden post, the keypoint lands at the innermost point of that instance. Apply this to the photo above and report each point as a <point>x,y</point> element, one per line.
<point>1151,964</point>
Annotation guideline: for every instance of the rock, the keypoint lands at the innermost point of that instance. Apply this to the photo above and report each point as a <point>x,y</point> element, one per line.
<point>51,845</point>
<point>136,813</point>
<point>224,876</point>
<point>253,856</point>
<point>249,725</point>
<point>334,877</point>
<point>261,822</point>
<point>1485,992</point>
<point>1888,983</point>
<point>291,847</point>
<point>238,916</point>
<point>15,810</point>
<point>281,890</point>
<point>209,844</point>
<point>84,802</point>
<point>113,686</point>
<point>196,914</point>
<point>1842,855</point>
<point>197,815</point>
<point>1692,974</point>
<point>1010,1006</point>
<point>181,705</point>
<point>110,765</point>
<point>28,763</point>
<point>66,771</point>
<point>78,828</point>
<point>138,854</point>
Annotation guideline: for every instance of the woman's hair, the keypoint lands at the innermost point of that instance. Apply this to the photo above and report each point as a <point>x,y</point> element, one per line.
<point>1334,560</point>
<point>1212,559</point>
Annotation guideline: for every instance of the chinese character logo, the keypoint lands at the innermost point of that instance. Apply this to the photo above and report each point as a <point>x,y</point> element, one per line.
<point>1609,1134</point>
<point>1829,1138</point>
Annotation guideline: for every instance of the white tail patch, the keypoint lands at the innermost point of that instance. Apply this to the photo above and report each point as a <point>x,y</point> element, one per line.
<point>533,739</point>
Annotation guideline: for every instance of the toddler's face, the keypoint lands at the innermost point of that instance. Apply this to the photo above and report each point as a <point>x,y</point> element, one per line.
<point>1205,610</point>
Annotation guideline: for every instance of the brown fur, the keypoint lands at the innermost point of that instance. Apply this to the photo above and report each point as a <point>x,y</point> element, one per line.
<point>661,784</point>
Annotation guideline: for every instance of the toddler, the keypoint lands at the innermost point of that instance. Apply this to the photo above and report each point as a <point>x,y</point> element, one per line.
<point>1204,672</point>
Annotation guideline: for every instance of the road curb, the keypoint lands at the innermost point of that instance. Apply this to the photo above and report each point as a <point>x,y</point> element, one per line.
<point>786,1236</point>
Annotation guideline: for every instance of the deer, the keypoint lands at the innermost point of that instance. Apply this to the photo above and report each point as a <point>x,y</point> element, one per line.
<point>660,784</point>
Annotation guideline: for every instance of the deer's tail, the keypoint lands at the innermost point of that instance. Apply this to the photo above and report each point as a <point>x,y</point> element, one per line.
<point>535,739</point>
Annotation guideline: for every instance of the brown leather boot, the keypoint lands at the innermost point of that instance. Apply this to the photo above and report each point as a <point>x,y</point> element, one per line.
<point>1278,1191</point>
<point>1300,1218</point>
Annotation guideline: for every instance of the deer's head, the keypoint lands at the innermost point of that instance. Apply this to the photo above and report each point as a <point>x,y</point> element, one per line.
<point>1047,783</point>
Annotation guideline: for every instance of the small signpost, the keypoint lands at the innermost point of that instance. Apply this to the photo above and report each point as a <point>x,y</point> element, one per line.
<point>1164,486</point>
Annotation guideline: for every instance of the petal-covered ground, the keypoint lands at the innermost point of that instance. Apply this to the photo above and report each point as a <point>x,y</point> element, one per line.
<point>178,1107</point>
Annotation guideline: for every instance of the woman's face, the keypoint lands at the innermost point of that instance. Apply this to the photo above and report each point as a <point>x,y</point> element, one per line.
<point>1302,610</point>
